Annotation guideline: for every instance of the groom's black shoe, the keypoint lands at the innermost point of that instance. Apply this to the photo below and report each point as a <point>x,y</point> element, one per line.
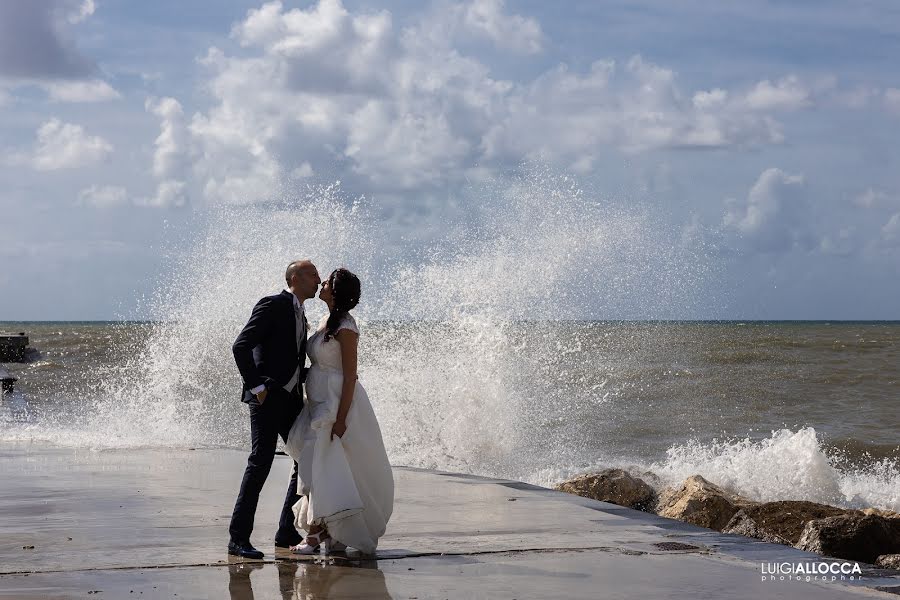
<point>287,544</point>
<point>244,550</point>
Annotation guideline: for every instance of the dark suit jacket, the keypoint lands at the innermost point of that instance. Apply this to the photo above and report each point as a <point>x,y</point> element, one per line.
<point>266,350</point>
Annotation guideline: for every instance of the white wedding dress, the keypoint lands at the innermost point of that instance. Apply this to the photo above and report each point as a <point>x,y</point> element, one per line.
<point>346,483</point>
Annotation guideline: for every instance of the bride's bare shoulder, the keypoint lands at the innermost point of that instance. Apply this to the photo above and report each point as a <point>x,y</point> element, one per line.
<point>349,322</point>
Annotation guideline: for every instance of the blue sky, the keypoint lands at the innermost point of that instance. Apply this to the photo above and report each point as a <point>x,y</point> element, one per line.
<point>762,135</point>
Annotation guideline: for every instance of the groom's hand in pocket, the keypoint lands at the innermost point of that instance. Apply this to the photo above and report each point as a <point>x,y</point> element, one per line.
<point>261,397</point>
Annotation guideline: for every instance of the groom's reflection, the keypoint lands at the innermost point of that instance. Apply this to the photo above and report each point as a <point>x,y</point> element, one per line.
<point>311,581</point>
<point>239,586</point>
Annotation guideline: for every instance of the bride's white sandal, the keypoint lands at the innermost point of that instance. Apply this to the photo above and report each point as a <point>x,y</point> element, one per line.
<point>308,548</point>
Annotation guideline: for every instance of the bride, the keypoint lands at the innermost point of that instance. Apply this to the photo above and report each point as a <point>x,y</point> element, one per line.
<point>345,480</point>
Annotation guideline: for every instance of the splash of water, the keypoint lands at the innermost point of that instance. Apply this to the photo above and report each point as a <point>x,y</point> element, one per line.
<point>479,391</point>
<point>788,465</point>
<point>532,247</point>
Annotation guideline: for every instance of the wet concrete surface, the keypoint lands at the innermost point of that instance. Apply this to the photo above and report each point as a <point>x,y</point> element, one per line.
<point>153,524</point>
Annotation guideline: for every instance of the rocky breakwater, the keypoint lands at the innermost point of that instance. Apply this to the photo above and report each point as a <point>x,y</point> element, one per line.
<point>870,535</point>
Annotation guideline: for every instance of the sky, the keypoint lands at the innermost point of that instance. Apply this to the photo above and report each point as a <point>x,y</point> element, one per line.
<point>763,133</point>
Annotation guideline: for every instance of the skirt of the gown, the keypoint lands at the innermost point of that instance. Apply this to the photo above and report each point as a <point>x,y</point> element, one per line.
<point>345,484</point>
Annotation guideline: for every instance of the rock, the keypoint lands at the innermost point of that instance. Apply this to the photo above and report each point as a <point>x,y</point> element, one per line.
<point>702,503</point>
<point>612,485</point>
<point>889,561</point>
<point>852,536</point>
<point>779,522</point>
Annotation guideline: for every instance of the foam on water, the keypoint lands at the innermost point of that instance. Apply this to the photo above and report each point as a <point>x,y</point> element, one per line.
<point>788,465</point>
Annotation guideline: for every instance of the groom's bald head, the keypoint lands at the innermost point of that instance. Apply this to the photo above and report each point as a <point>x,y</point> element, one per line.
<point>302,278</point>
<point>294,268</point>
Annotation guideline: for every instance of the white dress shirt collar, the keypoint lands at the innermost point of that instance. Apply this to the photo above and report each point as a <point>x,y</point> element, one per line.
<point>297,303</point>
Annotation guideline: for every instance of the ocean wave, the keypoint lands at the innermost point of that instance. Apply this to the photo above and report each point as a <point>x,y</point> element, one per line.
<point>788,465</point>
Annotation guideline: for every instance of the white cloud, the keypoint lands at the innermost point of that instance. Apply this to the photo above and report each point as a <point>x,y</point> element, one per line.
<point>65,146</point>
<point>317,69</point>
<point>169,194</point>
<point>712,99</point>
<point>450,23</point>
<point>406,150</point>
<point>81,12</point>
<point>170,157</point>
<point>103,196</point>
<point>775,215</point>
<point>405,109</point>
<point>786,94</point>
<point>512,32</point>
<point>640,107</point>
<point>171,160</point>
<point>304,171</point>
<point>335,87</point>
<point>324,49</point>
<point>94,90</point>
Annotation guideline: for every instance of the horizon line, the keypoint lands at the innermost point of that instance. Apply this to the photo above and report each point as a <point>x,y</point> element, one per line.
<point>587,320</point>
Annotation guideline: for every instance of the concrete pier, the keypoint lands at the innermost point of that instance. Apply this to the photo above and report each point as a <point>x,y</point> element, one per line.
<point>13,346</point>
<point>153,524</point>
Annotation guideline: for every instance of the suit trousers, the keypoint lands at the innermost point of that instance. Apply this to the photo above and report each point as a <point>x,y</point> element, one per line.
<point>268,420</point>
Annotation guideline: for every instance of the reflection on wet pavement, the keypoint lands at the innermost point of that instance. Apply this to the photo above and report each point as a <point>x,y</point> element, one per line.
<point>310,580</point>
<point>150,524</point>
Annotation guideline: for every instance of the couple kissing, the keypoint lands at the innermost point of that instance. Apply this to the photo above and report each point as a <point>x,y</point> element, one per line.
<point>341,492</point>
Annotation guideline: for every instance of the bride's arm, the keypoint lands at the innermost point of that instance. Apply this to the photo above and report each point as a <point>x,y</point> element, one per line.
<point>349,341</point>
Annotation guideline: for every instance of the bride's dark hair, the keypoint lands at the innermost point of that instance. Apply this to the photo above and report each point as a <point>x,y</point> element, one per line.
<point>345,289</point>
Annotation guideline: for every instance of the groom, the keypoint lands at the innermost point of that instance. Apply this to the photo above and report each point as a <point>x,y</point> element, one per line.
<point>270,353</point>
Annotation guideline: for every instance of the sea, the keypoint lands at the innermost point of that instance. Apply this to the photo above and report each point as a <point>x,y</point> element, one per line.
<point>773,410</point>
<point>538,338</point>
